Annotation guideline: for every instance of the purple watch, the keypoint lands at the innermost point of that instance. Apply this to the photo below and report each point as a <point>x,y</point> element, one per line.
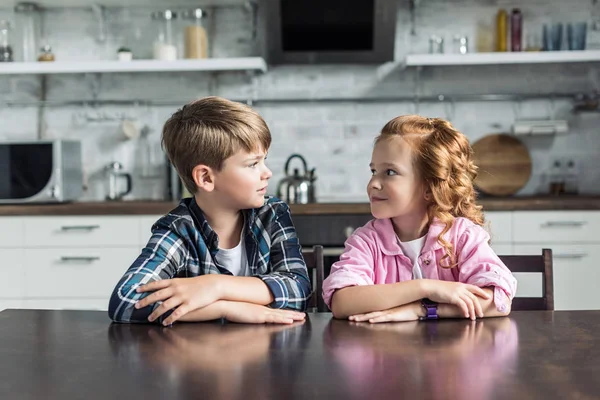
<point>430,309</point>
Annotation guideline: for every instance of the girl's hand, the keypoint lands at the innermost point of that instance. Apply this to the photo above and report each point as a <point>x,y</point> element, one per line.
<point>460,294</point>
<point>407,312</point>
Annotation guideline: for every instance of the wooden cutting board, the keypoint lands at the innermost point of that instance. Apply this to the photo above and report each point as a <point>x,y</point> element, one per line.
<point>504,164</point>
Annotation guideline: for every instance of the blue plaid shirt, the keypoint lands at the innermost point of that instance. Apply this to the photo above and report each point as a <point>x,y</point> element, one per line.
<point>184,245</point>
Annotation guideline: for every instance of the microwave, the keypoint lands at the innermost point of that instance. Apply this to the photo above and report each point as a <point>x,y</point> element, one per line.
<point>40,171</point>
<point>327,31</point>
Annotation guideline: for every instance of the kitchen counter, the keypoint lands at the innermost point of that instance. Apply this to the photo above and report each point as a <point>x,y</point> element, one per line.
<point>162,207</point>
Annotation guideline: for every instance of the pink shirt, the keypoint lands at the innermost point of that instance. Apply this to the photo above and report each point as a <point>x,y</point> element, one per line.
<point>373,256</point>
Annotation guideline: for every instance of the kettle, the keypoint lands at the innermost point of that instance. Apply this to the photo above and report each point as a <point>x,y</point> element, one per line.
<point>296,188</point>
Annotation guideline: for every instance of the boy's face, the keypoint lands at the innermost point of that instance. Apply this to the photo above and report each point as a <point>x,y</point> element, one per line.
<point>242,182</point>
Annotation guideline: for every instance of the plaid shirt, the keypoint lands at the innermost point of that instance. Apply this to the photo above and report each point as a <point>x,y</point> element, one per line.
<point>184,245</point>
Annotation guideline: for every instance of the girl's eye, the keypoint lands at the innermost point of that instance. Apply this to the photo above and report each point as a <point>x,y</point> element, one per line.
<point>390,172</point>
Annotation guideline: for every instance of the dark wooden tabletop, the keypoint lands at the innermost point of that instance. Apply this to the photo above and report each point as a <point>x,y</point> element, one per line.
<point>81,355</point>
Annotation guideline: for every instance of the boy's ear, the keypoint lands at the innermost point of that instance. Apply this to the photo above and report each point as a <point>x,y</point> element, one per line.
<point>204,177</point>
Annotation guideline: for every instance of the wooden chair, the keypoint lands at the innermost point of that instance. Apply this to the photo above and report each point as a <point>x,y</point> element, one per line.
<point>316,265</point>
<point>541,264</point>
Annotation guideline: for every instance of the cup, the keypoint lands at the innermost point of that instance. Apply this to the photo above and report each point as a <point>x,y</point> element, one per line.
<point>552,36</point>
<point>576,33</point>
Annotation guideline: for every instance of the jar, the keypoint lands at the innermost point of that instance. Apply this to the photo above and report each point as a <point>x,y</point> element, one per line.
<point>516,25</point>
<point>196,41</point>
<point>6,52</point>
<point>164,47</point>
<point>28,23</point>
<point>46,54</point>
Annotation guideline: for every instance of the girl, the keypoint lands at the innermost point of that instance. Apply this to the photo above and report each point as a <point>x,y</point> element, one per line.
<point>426,254</point>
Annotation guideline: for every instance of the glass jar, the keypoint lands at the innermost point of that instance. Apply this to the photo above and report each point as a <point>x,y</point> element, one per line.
<point>196,41</point>
<point>46,54</point>
<point>164,47</point>
<point>6,52</point>
<point>28,31</point>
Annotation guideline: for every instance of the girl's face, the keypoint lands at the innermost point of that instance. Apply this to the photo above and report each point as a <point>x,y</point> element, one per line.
<point>395,188</point>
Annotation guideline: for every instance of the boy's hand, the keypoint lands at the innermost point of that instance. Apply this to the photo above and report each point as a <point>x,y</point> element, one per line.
<point>249,313</point>
<point>183,294</point>
<point>407,312</point>
<point>460,294</point>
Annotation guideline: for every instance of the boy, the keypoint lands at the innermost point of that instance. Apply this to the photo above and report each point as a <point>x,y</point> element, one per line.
<point>227,252</point>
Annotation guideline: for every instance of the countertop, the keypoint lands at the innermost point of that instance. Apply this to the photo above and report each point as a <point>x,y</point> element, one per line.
<point>162,207</point>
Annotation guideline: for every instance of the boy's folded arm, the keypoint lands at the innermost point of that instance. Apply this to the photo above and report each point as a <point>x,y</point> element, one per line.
<point>159,260</point>
<point>288,280</point>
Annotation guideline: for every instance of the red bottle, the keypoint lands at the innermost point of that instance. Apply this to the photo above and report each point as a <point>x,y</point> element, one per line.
<point>516,25</point>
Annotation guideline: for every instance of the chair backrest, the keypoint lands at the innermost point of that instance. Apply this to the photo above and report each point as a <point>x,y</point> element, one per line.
<point>316,266</point>
<point>541,264</point>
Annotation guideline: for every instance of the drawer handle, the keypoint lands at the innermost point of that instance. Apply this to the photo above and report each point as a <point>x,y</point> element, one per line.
<point>564,224</point>
<point>79,227</point>
<point>571,256</point>
<point>80,259</point>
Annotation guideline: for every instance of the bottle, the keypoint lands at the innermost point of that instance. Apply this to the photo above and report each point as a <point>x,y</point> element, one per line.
<point>501,30</point>
<point>6,52</point>
<point>196,42</point>
<point>516,25</point>
<point>28,22</point>
<point>46,54</point>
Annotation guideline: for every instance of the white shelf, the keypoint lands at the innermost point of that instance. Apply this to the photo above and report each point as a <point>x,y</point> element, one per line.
<point>541,57</point>
<point>77,67</point>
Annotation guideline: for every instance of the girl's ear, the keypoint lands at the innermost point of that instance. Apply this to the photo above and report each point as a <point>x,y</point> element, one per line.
<point>428,195</point>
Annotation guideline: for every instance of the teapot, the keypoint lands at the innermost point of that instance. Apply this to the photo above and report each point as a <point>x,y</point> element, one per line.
<point>297,188</point>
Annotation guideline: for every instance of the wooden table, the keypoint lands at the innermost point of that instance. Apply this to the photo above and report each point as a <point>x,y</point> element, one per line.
<point>81,355</point>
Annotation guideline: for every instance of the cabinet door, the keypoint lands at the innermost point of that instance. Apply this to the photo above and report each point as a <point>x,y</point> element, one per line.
<point>145,228</point>
<point>576,274</point>
<point>76,272</point>
<point>12,274</point>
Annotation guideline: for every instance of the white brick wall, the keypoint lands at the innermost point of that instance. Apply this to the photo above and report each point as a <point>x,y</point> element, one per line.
<point>334,137</point>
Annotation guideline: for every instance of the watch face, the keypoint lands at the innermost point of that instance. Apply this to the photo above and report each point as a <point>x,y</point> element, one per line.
<point>428,302</point>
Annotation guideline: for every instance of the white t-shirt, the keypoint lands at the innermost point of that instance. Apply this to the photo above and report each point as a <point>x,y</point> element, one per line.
<point>234,260</point>
<point>412,250</point>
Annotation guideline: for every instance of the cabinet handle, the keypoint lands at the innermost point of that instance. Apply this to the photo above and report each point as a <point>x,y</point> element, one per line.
<point>80,259</point>
<point>564,224</point>
<point>569,256</point>
<point>79,227</point>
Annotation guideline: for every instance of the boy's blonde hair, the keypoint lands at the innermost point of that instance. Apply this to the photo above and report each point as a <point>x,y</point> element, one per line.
<point>208,131</point>
<point>444,159</point>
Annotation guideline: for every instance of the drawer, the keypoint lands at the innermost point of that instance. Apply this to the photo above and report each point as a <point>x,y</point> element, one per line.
<point>502,249</point>
<point>576,274</point>
<point>11,303</point>
<point>12,273</point>
<point>145,228</point>
<point>81,231</point>
<point>499,225</point>
<point>12,232</point>
<point>556,227</point>
<point>100,304</point>
<point>76,272</point>
<point>327,230</point>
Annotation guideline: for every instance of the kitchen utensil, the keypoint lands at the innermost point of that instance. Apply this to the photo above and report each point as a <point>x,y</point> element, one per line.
<point>504,164</point>
<point>297,188</point>
<point>113,176</point>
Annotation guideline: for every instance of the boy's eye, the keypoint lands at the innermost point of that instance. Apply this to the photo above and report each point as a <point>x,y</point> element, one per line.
<point>254,164</point>
<point>373,172</point>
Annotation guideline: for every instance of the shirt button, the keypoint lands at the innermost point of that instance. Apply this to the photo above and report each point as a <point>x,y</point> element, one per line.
<point>427,262</point>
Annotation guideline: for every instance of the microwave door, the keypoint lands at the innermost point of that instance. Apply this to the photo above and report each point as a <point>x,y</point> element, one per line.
<point>26,169</point>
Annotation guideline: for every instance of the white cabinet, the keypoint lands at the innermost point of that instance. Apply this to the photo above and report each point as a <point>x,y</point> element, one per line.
<point>499,225</point>
<point>70,262</point>
<point>556,226</point>
<point>576,274</point>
